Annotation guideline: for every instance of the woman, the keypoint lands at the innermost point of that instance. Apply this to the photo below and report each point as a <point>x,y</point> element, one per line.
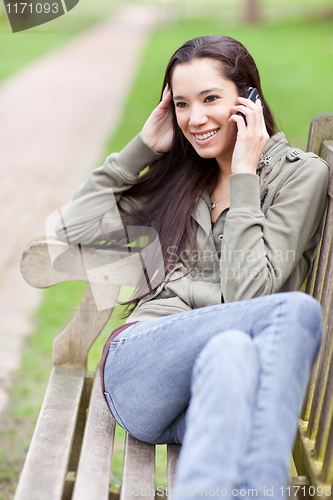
<point>238,214</point>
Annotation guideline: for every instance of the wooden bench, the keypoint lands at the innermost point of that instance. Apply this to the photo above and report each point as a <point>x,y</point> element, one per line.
<point>71,449</point>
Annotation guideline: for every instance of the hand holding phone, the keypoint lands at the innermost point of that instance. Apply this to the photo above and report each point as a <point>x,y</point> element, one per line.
<point>252,94</point>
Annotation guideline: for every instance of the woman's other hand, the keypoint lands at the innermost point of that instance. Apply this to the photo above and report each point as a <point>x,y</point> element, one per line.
<point>251,139</point>
<point>157,132</point>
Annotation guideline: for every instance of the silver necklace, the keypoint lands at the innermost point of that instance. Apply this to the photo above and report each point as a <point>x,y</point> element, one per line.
<point>216,201</point>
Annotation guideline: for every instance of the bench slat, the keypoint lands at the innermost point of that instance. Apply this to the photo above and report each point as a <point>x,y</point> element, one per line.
<point>326,153</point>
<point>324,253</point>
<point>172,457</point>
<point>322,291</point>
<point>308,466</point>
<point>94,470</point>
<point>314,443</point>
<point>327,472</point>
<point>325,417</point>
<point>139,470</point>
<point>45,468</point>
<point>315,287</point>
<point>323,368</point>
<point>328,283</point>
<point>321,129</point>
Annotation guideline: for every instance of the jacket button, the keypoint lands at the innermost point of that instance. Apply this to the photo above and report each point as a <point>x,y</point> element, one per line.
<point>220,236</point>
<point>294,155</point>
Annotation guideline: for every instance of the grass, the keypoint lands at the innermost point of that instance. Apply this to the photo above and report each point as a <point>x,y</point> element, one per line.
<point>295,61</point>
<point>19,49</point>
<point>27,393</point>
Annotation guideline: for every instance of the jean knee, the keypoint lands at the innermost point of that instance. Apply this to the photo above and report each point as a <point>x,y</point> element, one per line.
<point>230,346</point>
<point>228,340</point>
<point>307,312</point>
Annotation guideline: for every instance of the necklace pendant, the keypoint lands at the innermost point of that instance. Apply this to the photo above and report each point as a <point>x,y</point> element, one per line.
<point>213,205</point>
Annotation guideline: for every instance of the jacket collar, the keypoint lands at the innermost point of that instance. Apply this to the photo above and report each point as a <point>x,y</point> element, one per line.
<point>275,144</point>
<point>203,213</point>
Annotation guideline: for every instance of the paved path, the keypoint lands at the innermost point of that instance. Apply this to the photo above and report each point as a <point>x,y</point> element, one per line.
<point>56,116</point>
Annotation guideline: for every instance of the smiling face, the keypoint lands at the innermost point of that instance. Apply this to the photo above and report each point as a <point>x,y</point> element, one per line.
<point>203,99</point>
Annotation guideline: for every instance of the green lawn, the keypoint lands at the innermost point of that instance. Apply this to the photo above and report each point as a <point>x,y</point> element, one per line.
<point>295,60</point>
<point>17,50</point>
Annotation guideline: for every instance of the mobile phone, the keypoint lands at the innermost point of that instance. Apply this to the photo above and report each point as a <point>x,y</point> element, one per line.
<point>252,94</point>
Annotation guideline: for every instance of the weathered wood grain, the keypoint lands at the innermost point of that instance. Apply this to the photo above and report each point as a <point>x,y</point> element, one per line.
<point>321,129</point>
<point>47,262</point>
<point>172,457</point>
<point>325,416</point>
<point>139,470</point>
<point>327,471</point>
<point>324,253</point>
<point>73,342</point>
<point>94,470</point>
<point>80,425</point>
<point>36,265</point>
<point>326,153</point>
<point>319,281</point>
<point>325,356</point>
<point>308,466</point>
<point>322,275</point>
<point>314,443</point>
<point>44,472</point>
<point>327,291</point>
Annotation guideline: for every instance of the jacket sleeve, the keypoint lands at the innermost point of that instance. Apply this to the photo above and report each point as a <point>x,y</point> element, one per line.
<point>93,210</point>
<point>260,251</point>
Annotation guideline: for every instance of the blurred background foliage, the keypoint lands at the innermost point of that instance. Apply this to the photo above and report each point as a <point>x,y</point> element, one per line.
<point>292,43</point>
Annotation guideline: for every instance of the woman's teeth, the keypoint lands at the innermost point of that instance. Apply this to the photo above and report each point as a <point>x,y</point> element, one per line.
<point>205,136</point>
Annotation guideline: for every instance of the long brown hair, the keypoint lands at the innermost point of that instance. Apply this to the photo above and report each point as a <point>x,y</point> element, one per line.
<point>173,184</point>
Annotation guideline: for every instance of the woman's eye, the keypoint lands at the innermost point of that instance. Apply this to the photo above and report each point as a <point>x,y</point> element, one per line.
<point>181,104</point>
<point>211,98</point>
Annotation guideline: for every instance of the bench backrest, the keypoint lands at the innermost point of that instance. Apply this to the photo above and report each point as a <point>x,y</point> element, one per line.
<point>314,447</point>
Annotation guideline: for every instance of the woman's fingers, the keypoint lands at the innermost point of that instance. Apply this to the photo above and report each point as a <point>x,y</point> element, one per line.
<point>166,98</point>
<point>157,132</point>
<point>251,138</point>
<point>255,122</point>
<point>250,109</point>
<point>165,91</point>
<point>239,120</point>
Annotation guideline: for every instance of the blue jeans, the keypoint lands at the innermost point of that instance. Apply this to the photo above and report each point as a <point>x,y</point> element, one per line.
<point>227,381</point>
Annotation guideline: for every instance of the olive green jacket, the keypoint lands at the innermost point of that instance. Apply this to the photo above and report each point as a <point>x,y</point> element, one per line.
<point>264,243</point>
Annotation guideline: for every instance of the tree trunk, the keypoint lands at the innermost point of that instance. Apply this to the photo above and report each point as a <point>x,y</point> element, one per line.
<point>252,12</point>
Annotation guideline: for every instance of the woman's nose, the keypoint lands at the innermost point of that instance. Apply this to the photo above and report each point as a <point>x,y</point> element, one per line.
<point>197,116</point>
